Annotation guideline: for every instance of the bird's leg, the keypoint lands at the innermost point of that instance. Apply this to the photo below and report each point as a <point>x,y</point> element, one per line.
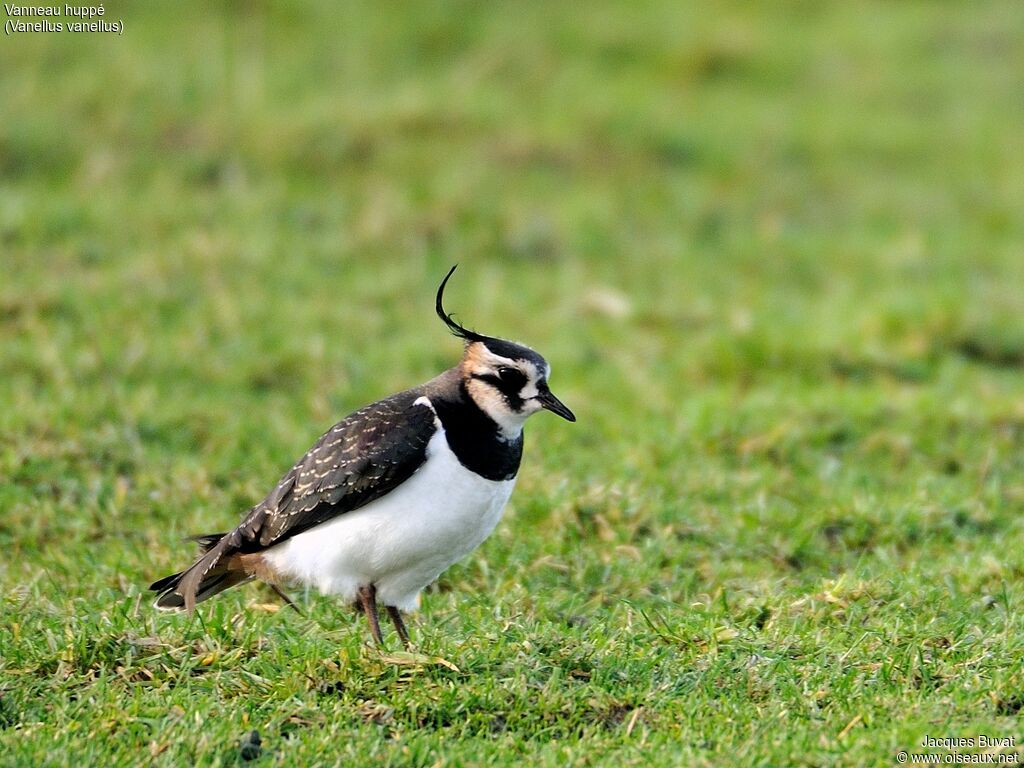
<point>368,600</point>
<point>396,619</point>
<point>281,593</point>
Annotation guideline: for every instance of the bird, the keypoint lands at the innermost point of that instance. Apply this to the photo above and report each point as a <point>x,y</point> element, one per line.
<point>390,496</point>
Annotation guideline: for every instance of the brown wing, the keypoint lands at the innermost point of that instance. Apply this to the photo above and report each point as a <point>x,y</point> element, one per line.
<point>361,458</point>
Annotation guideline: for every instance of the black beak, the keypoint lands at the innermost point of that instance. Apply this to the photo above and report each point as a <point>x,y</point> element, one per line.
<point>553,404</point>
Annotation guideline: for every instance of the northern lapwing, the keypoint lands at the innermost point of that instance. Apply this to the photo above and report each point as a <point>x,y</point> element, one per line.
<point>393,494</point>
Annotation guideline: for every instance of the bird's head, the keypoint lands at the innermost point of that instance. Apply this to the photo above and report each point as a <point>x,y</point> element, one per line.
<point>507,381</point>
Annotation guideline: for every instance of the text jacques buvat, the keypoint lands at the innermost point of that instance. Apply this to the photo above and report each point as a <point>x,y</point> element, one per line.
<point>59,18</point>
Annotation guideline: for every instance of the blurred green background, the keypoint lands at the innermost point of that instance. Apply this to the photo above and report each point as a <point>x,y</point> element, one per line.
<point>773,252</point>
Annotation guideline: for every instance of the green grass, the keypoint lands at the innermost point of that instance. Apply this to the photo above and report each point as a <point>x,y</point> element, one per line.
<point>773,252</point>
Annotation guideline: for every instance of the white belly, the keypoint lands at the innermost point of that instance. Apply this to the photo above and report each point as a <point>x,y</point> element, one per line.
<point>402,542</point>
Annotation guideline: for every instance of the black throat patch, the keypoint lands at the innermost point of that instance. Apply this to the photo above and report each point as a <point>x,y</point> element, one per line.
<point>476,440</point>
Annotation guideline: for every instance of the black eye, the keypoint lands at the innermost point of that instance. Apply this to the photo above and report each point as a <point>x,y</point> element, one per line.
<point>511,376</point>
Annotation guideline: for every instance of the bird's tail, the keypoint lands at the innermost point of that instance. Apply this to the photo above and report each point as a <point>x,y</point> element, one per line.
<point>203,579</point>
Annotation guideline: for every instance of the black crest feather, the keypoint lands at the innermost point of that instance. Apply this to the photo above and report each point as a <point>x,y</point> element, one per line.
<point>454,327</point>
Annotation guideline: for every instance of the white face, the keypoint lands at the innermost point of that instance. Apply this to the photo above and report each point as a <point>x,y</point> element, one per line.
<point>507,389</point>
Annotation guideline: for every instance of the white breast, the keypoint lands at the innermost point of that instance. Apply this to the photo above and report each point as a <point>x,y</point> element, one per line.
<point>403,541</point>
